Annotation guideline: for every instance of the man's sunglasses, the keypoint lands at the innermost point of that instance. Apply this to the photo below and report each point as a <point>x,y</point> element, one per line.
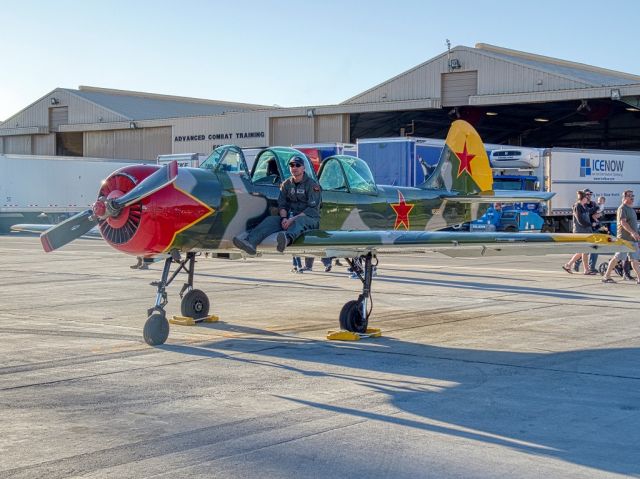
<point>296,164</point>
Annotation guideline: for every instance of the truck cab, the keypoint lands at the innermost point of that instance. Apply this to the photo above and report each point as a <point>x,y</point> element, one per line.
<point>518,183</point>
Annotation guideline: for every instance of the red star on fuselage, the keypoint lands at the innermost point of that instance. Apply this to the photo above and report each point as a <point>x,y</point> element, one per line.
<point>402,210</point>
<point>465,160</point>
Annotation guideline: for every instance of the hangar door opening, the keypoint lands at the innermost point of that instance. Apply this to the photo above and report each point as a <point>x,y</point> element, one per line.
<point>69,144</point>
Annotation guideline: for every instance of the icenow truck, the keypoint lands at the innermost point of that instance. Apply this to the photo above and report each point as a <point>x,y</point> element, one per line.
<point>564,171</point>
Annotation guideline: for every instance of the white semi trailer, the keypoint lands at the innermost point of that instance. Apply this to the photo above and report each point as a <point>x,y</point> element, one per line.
<point>47,189</point>
<point>564,171</point>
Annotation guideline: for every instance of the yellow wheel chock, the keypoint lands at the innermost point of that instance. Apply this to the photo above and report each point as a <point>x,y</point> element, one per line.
<point>187,321</point>
<point>343,335</point>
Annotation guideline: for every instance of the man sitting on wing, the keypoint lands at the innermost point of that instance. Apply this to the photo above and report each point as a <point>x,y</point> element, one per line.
<point>298,209</point>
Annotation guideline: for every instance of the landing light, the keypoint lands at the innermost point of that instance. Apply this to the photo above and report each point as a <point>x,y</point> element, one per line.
<point>541,120</point>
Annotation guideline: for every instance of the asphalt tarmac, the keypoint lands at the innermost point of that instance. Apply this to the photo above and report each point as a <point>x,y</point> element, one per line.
<point>487,368</point>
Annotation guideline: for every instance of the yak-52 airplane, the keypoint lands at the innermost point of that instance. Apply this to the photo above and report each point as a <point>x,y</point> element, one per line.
<point>147,210</point>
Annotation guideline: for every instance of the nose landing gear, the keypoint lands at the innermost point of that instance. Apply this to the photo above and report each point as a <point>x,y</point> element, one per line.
<point>194,304</point>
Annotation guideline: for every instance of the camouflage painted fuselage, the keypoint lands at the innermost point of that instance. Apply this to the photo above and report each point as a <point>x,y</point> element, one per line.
<point>205,210</point>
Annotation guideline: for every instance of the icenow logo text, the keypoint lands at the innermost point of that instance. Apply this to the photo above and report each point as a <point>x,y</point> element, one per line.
<point>587,165</point>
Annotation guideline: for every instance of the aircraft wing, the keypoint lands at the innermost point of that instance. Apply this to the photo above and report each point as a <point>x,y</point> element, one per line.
<point>454,244</point>
<point>503,196</point>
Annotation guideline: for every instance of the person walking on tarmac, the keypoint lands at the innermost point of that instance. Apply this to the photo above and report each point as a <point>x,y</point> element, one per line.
<point>581,224</point>
<point>627,229</point>
<point>298,209</point>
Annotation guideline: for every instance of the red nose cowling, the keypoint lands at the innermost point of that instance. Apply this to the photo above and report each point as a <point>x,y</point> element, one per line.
<point>149,226</point>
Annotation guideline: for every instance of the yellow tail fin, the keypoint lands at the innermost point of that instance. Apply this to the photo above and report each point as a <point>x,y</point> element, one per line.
<point>464,165</point>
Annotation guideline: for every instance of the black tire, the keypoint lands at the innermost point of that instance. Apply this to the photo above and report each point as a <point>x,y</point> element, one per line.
<point>602,269</point>
<point>156,329</point>
<point>195,304</point>
<point>351,318</point>
<point>619,268</point>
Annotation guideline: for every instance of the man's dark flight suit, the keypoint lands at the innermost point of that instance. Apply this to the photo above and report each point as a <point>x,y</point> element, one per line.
<point>295,198</point>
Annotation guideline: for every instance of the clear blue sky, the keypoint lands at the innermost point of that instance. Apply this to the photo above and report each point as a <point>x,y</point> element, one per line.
<point>284,52</point>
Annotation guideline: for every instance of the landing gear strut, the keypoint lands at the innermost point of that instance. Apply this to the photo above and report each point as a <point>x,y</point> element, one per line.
<point>354,315</point>
<point>194,304</point>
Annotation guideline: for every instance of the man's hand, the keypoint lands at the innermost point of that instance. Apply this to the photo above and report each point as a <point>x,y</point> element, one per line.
<point>286,222</point>
<point>634,234</point>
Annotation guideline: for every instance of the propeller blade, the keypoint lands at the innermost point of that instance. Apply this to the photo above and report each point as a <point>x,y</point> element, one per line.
<point>152,183</point>
<point>65,232</point>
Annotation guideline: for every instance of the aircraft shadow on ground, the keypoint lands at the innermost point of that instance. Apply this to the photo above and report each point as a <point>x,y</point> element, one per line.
<point>442,283</point>
<point>505,288</point>
<point>560,405</point>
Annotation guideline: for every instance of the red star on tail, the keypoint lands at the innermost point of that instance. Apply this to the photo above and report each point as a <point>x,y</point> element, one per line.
<point>465,160</point>
<point>402,210</point>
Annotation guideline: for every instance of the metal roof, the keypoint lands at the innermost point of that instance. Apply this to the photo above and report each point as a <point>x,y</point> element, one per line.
<point>144,106</point>
<point>576,75</point>
<point>594,76</point>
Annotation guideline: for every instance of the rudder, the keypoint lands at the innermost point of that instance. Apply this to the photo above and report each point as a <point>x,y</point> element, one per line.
<point>463,165</point>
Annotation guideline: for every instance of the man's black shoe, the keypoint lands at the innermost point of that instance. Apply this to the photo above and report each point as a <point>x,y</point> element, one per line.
<point>138,264</point>
<point>244,245</point>
<point>282,242</point>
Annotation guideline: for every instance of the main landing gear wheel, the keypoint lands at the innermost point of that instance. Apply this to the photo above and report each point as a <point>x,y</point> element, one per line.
<point>195,304</point>
<point>156,329</point>
<point>354,315</point>
<point>351,318</point>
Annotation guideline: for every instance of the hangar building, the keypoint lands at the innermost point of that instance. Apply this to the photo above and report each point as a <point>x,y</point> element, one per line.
<point>511,97</point>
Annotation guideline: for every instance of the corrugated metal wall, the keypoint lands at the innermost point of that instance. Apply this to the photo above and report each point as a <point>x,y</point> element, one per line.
<point>331,128</point>
<point>127,144</point>
<point>83,111</point>
<point>501,77</point>
<point>496,76</point>
<point>37,114</point>
<point>458,87</point>
<point>291,130</point>
<point>134,144</point>
<point>99,144</point>
<point>79,111</point>
<point>58,116</point>
<point>156,141</point>
<point>20,145</point>
<point>43,144</point>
